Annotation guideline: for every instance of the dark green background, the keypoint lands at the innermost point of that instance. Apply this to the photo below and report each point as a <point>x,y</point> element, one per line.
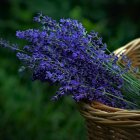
<point>26,112</point>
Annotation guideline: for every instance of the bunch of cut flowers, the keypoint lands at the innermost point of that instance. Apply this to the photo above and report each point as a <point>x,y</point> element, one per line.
<point>63,53</point>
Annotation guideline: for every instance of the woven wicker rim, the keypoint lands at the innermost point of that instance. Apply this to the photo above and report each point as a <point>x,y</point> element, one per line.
<point>131,46</point>
<point>110,116</point>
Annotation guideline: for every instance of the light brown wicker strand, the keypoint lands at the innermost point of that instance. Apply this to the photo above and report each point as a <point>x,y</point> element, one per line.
<point>108,123</point>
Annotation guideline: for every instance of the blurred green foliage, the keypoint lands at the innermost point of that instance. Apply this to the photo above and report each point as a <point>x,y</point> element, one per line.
<point>26,112</point>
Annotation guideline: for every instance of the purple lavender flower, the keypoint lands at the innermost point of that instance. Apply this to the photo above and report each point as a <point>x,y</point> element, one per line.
<point>64,53</point>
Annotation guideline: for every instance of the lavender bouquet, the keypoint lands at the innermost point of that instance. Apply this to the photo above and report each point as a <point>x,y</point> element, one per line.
<point>63,53</point>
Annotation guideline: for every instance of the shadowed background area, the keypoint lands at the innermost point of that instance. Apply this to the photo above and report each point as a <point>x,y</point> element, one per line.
<point>26,112</point>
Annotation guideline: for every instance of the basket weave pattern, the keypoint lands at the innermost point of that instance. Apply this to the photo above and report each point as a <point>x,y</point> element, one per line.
<point>108,123</point>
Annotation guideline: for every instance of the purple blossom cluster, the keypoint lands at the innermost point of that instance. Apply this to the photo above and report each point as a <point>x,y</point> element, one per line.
<point>64,53</point>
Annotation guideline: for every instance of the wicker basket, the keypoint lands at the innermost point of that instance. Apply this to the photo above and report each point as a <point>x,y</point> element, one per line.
<point>108,123</point>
